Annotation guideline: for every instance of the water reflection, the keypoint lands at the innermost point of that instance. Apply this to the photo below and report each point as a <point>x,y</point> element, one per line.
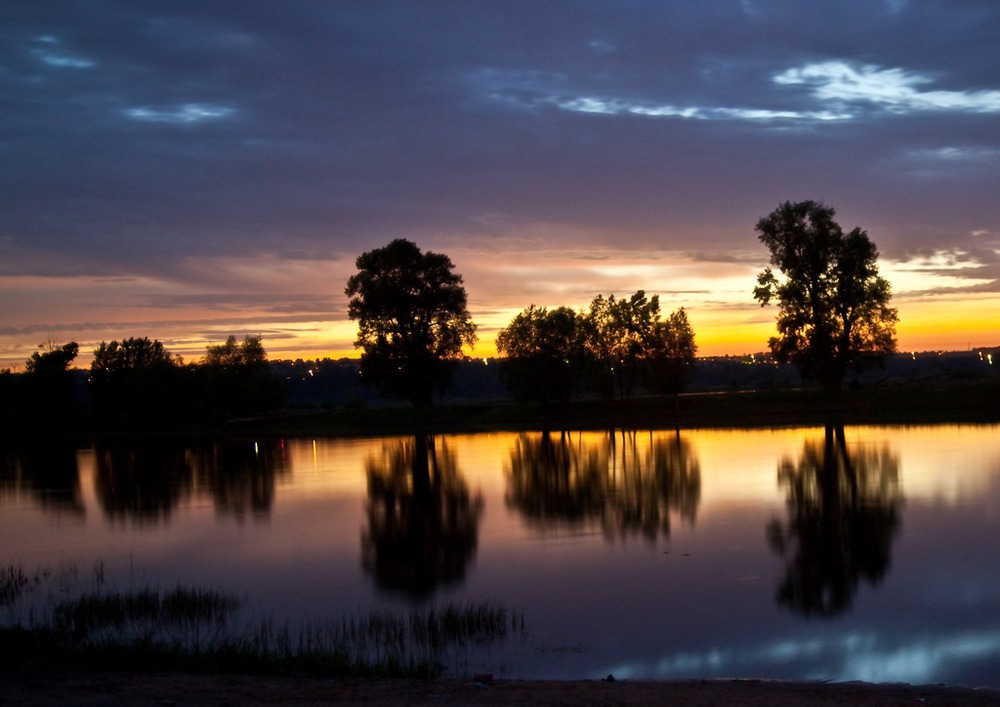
<point>144,482</point>
<point>630,483</point>
<point>843,514</point>
<point>45,471</point>
<point>141,482</point>
<point>241,476</point>
<point>422,521</point>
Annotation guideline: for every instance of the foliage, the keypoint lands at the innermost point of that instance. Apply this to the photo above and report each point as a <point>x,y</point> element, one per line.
<point>629,342</point>
<point>412,316</point>
<point>136,382</point>
<point>834,315</point>
<point>44,398</point>
<point>235,380</point>
<point>233,354</point>
<point>543,350</point>
<point>670,353</point>
<point>52,359</point>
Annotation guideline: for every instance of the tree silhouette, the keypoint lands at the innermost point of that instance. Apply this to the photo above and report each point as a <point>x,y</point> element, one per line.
<point>45,397</point>
<point>52,359</point>
<point>628,343</point>
<point>412,316</point>
<point>630,488</point>
<point>136,383</point>
<point>834,314</point>
<point>234,380</point>
<point>670,353</point>
<point>544,351</point>
<point>423,523</point>
<point>843,513</point>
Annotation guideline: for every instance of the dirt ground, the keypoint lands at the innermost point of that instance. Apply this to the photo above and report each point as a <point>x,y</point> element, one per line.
<point>83,688</point>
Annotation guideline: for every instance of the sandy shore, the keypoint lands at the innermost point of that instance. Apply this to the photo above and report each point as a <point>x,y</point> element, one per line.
<point>82,688</point>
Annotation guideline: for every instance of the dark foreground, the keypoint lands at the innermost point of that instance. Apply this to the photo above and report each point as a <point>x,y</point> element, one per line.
<point>111,688</point>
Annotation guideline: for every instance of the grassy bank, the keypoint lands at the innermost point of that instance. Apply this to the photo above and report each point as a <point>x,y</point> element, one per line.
<point>911,403</point>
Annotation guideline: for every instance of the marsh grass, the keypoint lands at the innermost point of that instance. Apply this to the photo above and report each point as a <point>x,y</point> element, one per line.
<point>205,630</point>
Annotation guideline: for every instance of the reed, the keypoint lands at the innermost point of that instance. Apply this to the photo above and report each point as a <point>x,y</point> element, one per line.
<point>203,630</point>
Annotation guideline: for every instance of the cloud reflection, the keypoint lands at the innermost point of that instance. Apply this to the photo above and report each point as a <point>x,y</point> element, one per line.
<point>847,657</point>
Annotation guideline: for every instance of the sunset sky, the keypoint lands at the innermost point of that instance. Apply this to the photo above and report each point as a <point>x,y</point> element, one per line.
<point>186,170</point>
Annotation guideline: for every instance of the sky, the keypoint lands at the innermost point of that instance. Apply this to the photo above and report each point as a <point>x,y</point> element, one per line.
<point>186,170</point>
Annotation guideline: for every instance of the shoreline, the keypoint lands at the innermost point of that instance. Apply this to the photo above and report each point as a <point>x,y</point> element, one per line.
<point>43,687</point>
<point>956,402</point>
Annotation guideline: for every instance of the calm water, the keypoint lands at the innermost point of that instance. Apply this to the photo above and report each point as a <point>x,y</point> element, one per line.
<point>862,553</point>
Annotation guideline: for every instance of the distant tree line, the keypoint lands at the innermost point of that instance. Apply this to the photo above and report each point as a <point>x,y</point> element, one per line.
<point>136,384</point>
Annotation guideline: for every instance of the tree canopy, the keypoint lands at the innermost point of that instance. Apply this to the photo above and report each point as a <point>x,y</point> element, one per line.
<point>52,359</point>
<point>630,344</point>
<point>248,353</point>
<point>412,314</point>
<point>543,349</point>
<point>833,307</point>
<point>616,344</point>
<point>135,382</point>
<point>235,379</point>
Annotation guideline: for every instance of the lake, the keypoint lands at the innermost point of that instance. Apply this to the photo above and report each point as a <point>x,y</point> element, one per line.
<point>857,553</point>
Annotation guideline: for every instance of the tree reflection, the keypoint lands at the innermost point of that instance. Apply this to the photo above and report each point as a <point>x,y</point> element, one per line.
<point>423,523</point>
<point>47,471</point>
<point>141,482</point>
<point>240,476</point>
<point>144,481</point>
<point>553,479</point>
<point>630,486</point>
<point>843,510</point>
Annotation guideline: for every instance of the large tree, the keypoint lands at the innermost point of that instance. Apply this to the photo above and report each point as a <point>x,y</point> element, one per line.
<point>834,315</point>
<point>412,314</point>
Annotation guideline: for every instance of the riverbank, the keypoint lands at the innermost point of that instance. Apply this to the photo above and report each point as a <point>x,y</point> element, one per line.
<point>959,402</point>
<point>41,688</point>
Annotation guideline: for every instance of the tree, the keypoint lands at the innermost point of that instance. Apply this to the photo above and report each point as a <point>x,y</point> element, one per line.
<point>834,315</point>
<point>52,359</point>
<point>134,354</point>
<point>233,354</point>
<point>543,350</point>
<point>136,382</point>
<point>617,333</point>
<point>670,354</point>
<point>629,342</point>
<point>45,399</point>
<point>235,380</point>
<point>412,317</point>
